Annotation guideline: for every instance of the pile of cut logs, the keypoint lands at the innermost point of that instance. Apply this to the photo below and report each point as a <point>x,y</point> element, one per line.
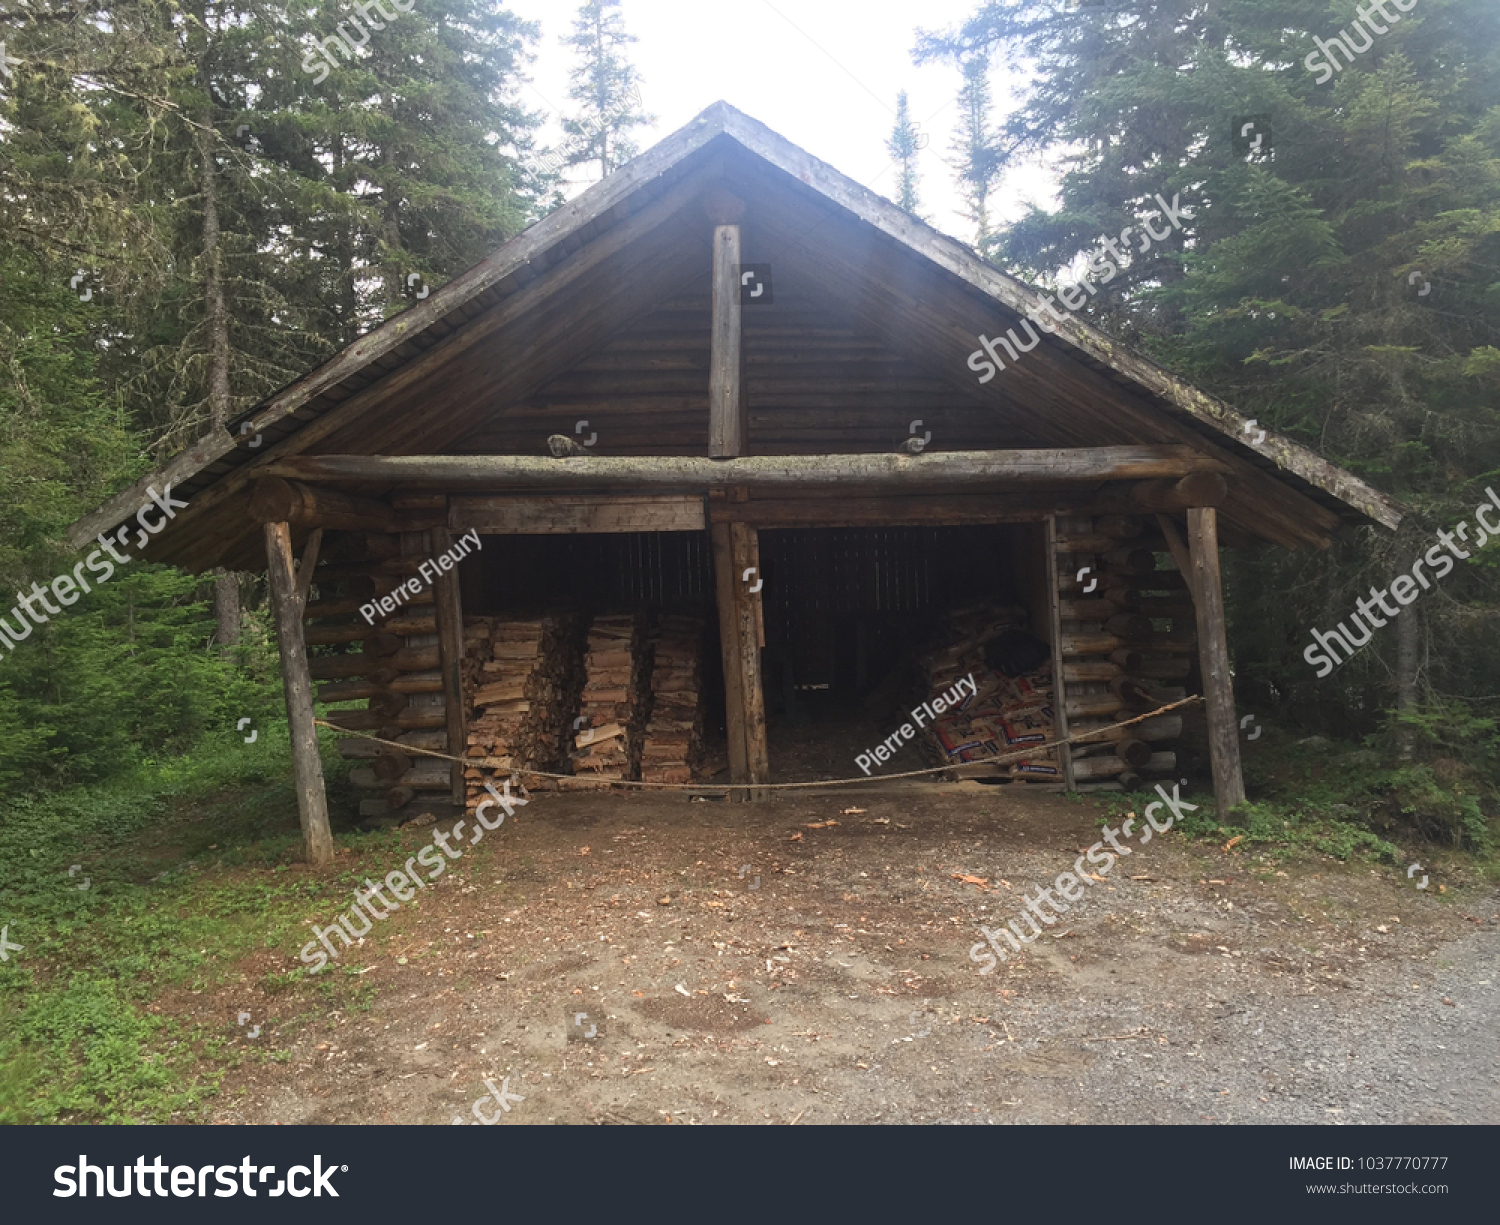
<point>1127,629</point>
<point>520,678</point>
<point>673,746</point>
<point>607,744</point>
<point>1003,715</point>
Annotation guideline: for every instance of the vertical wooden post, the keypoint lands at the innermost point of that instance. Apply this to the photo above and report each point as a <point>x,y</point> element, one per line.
<point>450,628</point>
<point>729,654</point>
<point>736,545</point>
<point>728,422</point>
<point>745,543</point>
<point>296,682</point>
<point>1059,690</point>
<point>1213,658</point>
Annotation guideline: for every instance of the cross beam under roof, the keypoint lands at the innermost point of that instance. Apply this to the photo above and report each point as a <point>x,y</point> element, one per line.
<point>659,472</point>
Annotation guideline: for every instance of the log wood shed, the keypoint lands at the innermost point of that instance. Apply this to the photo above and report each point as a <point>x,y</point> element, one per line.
<point>725,340</point>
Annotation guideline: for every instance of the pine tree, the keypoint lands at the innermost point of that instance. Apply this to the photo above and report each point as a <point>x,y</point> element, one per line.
<point>607,88</point>
<point>903,145</point>
<point>978,160</point>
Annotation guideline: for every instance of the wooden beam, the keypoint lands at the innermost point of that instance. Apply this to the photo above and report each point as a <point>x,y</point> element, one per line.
<point>635,473</point>
<point>278,501</point>
<point>728,420</point>
<point>307,565</point>
<point>550,514</point>
<point>296,681</point>
<point>725,580</point>
<point>1213,661</point>
<point>1196,489</point>
<point>1179,551</point>
<point>1059,685</point>
<point>876,511</point>
<point>450,631</point>
<point>745,548</point>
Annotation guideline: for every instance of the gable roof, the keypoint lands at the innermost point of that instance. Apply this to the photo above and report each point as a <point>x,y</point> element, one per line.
<point>427,379</point>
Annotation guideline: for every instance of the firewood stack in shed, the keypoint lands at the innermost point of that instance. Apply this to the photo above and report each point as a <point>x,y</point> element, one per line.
<point>673,747</point>
<point>520,677</point>
<point>988,650</point>
<point>607,741</point>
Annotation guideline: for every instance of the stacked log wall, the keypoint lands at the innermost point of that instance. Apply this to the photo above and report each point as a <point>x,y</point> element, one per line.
<point>393,669</point>
<point>1127,645</point>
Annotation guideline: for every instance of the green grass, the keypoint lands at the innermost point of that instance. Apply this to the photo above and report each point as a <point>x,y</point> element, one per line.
<point>1348,801</point>
<point>188,866</point>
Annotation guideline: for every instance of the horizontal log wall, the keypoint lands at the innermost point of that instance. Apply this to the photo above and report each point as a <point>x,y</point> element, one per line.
<point>391,669</point>
<point>1123,641</point>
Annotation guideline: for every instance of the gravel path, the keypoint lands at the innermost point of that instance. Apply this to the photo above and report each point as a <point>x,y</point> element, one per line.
<point>807,961</point>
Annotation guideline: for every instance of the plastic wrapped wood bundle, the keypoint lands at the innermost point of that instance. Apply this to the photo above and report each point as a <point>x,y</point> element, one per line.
<point>519,677</point>
<point>984,713</point>
<point>672,748</point>
<point>607,746</point>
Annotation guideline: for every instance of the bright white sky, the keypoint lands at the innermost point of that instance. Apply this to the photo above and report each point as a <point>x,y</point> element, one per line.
<point>822,73</point>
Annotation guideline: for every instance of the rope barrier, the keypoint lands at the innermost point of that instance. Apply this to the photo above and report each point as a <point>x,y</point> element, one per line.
<point>492,763</point>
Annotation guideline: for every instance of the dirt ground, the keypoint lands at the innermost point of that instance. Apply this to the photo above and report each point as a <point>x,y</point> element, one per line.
<point>799,962</point>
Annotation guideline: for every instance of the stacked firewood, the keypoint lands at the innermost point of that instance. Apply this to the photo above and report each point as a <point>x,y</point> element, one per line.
<point>996,715</point>
<point>673,746</point>
<point>607,742</point>
<point>519,677</point>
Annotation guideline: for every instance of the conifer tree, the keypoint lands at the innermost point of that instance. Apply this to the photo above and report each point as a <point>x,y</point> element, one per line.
<point>978,160</point>
<point>606,87</point>
<point>1296,289</point>
<point>903,144</point>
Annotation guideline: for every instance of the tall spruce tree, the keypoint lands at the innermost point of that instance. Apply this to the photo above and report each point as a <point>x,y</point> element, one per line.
<point>606,87</point>
<point>903,145</point>
<point>973,143</point>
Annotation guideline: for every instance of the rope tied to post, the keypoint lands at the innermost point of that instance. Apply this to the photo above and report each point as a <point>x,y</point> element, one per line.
<point>493,763</point>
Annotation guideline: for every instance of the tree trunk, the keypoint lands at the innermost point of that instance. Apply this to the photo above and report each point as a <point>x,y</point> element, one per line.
<point>220,402</point>
<point>1408,641</point>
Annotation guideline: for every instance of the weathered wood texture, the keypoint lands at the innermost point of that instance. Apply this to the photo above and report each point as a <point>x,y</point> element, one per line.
<point>567,514</point>
<point>1218,684</point>
<point>307,766</point>
<point>278,501</point>
<point>728,421</point>
<point>450,632</point>
<point>1048,465</point>
<point>1059,679</point>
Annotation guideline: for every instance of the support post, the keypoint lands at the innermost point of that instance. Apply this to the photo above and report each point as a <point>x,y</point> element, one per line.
<point>450,628</point>
<point>307,766</point>
<point>1059,681</point>
<point>1213,658</point>
<point>729,424</point>
<point>745,542</point>
<point>736,545</point>
<point>729,654</point>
